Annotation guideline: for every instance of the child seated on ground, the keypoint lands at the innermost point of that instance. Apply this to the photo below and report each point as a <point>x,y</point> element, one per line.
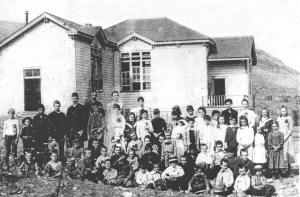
<point>135,143</point>
<point>242,182</point>
<point>206,157</point>
<point>258,183</point>
<point>86,166</point>
<point>27,134</point>
<point>54,167</point>
<point>109,174</point>
<point>70,169</point>
<point>155,177</point>
<point>225,177</point>
<point>216,158</point>
<point>243,159</point>
<point>199,183</point>
<point>100,162</point>
<point>28,167</point>
<point>76,151</point>
<point>95,149</point>
<point>133,160</point>
<point>142,177</point>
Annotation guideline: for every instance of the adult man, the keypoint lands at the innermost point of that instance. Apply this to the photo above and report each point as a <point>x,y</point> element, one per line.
<point>93,100</point>
<point>229,112</point>
<point>76,121</point>
<point>141,106</point>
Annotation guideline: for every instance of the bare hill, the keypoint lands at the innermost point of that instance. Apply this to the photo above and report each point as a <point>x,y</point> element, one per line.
<point>7,28</point>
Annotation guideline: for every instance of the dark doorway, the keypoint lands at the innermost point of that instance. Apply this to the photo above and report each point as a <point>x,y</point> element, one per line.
<point>219,87</point>
<point>32,94</point>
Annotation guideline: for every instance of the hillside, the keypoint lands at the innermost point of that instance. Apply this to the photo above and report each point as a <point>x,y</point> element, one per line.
<point>7,28</point>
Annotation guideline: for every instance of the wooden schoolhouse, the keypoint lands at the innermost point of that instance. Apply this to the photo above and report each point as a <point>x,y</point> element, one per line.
<point>165,62</point>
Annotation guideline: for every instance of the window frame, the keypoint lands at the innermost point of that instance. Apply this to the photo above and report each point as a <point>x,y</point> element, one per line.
<point>96,69</point>
<point>140,75</point>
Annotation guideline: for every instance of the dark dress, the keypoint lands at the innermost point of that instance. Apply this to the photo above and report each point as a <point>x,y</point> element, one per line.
<point>41,127</point>
<point>76,120</point>
<point>159,126</point>
<point>228,113</point>
<point>276,158</point>
<point>149,159</point>
<point>230,138</point>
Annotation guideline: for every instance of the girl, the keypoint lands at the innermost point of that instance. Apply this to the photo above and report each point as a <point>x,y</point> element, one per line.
<point>286,127</point>
<point>205,134</point>
<point>190,113</point>
<point>133,160</point>
<point>248,113</point>
<point>245,137</point>
<point>275,147</point>
<point>144,126</point>
<point>230,136</point>
<point>259,151</point>
<point>220,130</point>
<point>180,146</point>
<point>199,121</point>
<point>129,127</point>
<point>116,126</point>
<point>265,123</point>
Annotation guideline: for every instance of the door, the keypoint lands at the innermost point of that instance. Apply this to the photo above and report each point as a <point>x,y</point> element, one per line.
<point>219,91</point>
<point>32,89</point>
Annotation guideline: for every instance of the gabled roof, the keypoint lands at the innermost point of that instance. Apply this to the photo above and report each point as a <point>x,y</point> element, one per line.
<point>234,47</point>
<point>155,29</point>
<point>89,32</point>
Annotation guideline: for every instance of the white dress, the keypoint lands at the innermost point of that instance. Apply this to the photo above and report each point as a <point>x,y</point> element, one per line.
<point>251,116</point>
<point>259,151</point>
<point>285,126</point>
<point>245,135</point>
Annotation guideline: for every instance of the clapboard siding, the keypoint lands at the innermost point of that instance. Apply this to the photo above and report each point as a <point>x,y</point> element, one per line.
<point>83,69</point>
<point>108,75</point>
<point>117,71</point>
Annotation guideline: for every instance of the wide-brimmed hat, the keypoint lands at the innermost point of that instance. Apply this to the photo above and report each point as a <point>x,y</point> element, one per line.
<point>172,159</point>
<point>26,118</point>
<point>219,188</point>
<point>258,167</point>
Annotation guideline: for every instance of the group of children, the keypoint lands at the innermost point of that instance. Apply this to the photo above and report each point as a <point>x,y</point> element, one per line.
<point>224,154</point>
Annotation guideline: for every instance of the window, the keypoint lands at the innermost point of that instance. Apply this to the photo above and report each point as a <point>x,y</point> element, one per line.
<point>32,73</point>
<point>96,65</point>
<point>135,71</point>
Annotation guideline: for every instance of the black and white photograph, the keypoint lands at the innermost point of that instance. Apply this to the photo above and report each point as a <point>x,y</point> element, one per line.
<point>133,98</point>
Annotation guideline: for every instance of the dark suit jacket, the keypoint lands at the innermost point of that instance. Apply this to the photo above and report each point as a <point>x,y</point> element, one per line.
<point>76,120</point>
<point>227,115</point>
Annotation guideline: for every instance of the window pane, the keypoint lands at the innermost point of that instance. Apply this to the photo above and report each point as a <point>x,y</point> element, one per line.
<point>146,55</point>
<point>146,85</point>
<point>125,78</point>
<point>135,56</point>
<point>146,71</point>
<point>136,85</point>
<point>36,72</point>
<point>136,70</point>
<point>137,64</point>
<point>125,88</point>
<point>28,73</point>
<point>146,64</point>
<point>146,78</point>
<point>125,66</point>
<point>125,56</point>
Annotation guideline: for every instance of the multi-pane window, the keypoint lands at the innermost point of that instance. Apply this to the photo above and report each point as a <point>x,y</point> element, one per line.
<point>96,65</point>
<point>135,71</point>
<point>32,73</point>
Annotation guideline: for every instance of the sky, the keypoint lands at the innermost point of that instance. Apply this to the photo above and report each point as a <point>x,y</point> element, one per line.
<point>275,24</point>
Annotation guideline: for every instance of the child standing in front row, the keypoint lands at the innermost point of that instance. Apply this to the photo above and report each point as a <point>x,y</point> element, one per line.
<point>275,147</point>
<point>27,134</point>
<point>11,131</point>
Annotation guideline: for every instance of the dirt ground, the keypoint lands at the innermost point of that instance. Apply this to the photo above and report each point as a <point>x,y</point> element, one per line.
<point>17,186</point>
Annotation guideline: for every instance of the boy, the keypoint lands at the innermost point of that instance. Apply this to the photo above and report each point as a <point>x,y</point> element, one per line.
<point>225,177</point>
<point>109,174</point>
<point>155,177</point>
<point>231,158</point>
<point>188,169</point>
<point>100,162</point>
<point>135,143</point>
<point>27,134</point>
<point>173,174</point>
<point>57,121</point>
<point>230,136</point>
<point>204,156</point>
<point>168,148</point>
<point>149,158</point>
<point>229,112</point>
<point>242,183</point>
<point>191,136</point>
<point>54,167</point>
<point>199,183</point>
<point>76,151</point>
<point>96,125</point>
<point>95,148</point>
<point>217,156</point>
<point>28,167</point>
<point>86,166</point>
<point>70,169</point>
<point>159,125</point>
<point>11,132</point>
<point>243,160</point>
